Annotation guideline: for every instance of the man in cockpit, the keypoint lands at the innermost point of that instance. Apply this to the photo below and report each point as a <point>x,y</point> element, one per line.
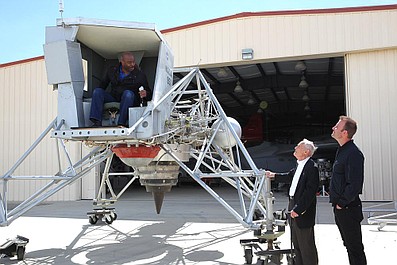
<point>125,81</point>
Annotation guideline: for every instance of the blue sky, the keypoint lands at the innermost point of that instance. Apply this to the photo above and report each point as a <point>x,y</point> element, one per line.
<point>23,22</point>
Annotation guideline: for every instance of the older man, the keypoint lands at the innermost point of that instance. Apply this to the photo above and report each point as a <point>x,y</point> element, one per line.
<point>302,202</point>
<point>125,80</point>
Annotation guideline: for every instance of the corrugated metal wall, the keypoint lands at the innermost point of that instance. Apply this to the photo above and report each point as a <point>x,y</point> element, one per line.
<point>28,105</point>
<point>281,37</point>
<point>371,82</point>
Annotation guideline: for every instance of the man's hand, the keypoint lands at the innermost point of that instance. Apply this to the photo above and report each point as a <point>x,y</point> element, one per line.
<point>293,214</point>
<point>338,207</point>
<point>142,93</point>
<point>270,174</point>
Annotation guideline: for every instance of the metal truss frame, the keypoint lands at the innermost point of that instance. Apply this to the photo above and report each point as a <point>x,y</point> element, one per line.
<point>196,119</point>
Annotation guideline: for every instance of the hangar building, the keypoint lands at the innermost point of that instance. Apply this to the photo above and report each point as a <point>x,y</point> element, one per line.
<point>288,73</point>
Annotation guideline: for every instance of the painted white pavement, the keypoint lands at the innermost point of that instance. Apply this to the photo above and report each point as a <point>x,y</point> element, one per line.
<point>191,229</point>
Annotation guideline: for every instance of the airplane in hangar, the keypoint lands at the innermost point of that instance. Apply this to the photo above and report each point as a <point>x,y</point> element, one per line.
<point>183,121</point>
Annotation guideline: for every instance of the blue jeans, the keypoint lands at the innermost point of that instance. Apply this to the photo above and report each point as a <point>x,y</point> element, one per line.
<point>100,97</point>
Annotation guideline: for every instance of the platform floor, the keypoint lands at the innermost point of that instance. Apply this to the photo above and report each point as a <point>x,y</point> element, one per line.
<point>192,228</point>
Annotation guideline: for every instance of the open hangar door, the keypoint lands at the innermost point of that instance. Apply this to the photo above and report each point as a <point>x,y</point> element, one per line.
<point>279,103</point>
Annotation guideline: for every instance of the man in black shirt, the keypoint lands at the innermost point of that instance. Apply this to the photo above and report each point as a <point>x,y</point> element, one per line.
<point>345,187</point>
<point>125,80</point>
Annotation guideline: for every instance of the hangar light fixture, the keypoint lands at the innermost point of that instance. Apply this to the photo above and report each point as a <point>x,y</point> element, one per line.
<point>222,72</point>
<point>306,97</point>
<point>247,54</point>
<point>238,88</point>
<point>303,83</point>
<point>300,66</point>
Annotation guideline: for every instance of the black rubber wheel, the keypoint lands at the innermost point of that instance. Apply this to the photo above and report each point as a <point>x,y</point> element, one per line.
<point>276,259</point>
<point>114,216</point>
<point>290,260</point>
<point>20,253</point>
<point>248,255</point>
<point>92,219</point>
<point>260,262</point>
<point>109,219</point>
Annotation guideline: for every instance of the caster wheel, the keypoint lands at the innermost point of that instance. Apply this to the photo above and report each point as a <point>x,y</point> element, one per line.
<point>20,253</point>
<point>275,259</point>
<point>248,255</point>
<point>114,216</point>
<point>108,219</point>
<point>290,260</point>
<point>93,220</point>
<point>381,225</point>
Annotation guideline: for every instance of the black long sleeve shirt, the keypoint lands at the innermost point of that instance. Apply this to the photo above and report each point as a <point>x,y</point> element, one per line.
<point>347,176</point>
<point>131,82</point>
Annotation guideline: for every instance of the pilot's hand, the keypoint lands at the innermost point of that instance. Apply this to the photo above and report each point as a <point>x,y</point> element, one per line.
<point>142,93</point>
<point>270,174</point>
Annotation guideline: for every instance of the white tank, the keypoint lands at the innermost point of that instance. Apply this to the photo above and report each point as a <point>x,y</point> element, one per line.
<point>224,138</point>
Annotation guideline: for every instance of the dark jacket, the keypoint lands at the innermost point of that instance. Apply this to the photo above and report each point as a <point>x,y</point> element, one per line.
<point>305,197</point>
<point>347,176</point>
<point>132,82</point>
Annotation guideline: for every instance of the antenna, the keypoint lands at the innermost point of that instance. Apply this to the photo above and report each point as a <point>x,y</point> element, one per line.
<point>60,8</point>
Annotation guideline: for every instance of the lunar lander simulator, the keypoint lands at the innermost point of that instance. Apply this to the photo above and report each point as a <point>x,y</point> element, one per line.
<point>183,122</point>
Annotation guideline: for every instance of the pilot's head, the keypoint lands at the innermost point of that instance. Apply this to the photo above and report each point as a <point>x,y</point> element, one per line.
<point>127,61</point>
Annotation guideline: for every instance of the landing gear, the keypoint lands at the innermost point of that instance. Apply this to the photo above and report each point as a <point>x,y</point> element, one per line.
<point>107,215</point>
<point>103,203</point>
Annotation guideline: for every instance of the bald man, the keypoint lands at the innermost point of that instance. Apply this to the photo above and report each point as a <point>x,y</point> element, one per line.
<point>125,80</point>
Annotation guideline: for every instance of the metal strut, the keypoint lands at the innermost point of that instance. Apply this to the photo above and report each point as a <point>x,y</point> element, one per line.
<point>56,182</point>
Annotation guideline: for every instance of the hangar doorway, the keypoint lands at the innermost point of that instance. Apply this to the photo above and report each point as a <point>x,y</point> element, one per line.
<point>297,98</point>
<point>279,103</point>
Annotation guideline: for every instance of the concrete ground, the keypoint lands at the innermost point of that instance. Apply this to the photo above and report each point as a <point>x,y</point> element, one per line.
<point>192,228</point>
